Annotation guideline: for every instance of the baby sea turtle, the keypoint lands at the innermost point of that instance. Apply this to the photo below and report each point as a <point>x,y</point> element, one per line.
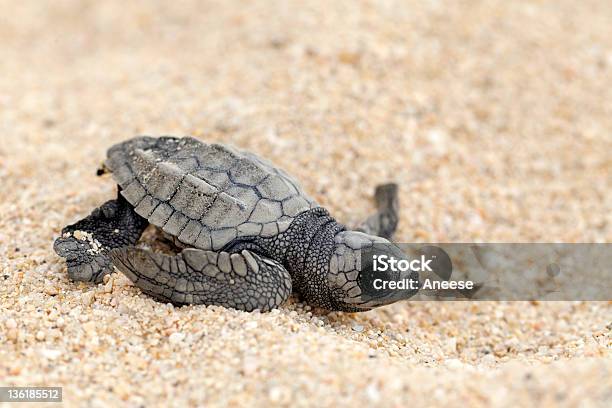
<point>247,233</point>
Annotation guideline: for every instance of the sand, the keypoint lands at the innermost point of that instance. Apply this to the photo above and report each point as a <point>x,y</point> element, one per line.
<point>494,117</point>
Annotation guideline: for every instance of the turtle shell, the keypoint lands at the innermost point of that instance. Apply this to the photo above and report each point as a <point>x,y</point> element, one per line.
<point>205,195</point>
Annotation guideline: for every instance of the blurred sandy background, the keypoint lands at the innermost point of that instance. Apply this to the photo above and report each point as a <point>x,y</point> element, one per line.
<point>494,117</point>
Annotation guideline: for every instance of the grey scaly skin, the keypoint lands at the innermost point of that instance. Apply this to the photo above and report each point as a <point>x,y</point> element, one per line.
<point>250,235</point>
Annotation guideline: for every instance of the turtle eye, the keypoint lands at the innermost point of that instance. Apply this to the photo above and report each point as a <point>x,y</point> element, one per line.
<point>368,280</point>
<point>366,264</point>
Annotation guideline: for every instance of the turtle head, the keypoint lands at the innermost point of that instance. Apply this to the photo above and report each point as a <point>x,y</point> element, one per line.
<point>361,274</point>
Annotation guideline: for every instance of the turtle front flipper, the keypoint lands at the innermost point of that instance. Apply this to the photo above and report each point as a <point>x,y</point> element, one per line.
<point>384,222</point>
<point>243,281</point>
<point>86,244</point>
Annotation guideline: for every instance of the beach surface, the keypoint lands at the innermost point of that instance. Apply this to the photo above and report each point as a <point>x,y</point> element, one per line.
<point>494,117</point>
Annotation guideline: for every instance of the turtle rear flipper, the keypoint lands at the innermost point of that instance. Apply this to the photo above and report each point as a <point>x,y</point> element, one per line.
<point>86,243</point>
<point>243,281</point>
<point>383,223</point>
